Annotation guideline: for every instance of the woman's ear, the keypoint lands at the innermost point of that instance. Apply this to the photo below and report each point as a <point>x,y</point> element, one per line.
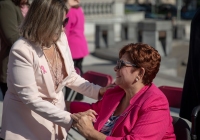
<point>142,72</point>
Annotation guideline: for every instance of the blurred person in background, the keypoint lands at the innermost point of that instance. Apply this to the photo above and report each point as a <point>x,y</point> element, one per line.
<point>12,13</point>
<point>76,38</point>
<point>135,108</point>
<point>39,66</point>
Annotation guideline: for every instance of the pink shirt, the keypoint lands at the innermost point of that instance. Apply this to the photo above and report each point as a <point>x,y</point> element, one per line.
<point>146,118</point>
<point>75,33</point>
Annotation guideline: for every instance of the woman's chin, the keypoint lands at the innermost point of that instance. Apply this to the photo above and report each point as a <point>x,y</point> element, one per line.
<point>117,83</point>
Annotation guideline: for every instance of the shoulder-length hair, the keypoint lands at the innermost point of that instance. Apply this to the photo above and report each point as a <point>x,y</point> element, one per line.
<point>43,21</point>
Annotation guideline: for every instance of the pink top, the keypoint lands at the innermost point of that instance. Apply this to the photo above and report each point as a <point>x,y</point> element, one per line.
<point>75,33</point>
<point>146,118</point>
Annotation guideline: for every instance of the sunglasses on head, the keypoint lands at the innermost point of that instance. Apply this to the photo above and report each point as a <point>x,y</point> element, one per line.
<point>121,63</point>
<point>64,23</point>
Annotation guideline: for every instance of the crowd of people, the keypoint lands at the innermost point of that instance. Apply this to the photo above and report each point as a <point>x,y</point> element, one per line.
<point>38,56</point>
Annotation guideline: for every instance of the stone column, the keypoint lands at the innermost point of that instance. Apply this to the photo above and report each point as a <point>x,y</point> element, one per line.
<point>130,31</point>
<point>104,35</point>
<point>180,31</point>
<point>158,34</point>
<point>118,7</point>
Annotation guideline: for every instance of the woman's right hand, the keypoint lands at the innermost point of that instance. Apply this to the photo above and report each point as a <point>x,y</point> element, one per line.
<point>90,113</point>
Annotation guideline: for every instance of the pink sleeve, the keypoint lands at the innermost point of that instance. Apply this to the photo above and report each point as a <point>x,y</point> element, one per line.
<point>76,107</point>
<point>152,122</point>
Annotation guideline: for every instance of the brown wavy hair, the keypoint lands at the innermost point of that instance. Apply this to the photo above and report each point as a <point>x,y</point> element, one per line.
<point>43,21</point>
<point>145,56</point>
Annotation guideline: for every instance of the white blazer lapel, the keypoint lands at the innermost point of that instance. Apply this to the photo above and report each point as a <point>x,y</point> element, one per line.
<point>65,52</point>
<point>45,71</point>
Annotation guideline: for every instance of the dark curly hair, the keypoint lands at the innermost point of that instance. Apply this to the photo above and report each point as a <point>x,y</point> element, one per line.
<point>145,56</point>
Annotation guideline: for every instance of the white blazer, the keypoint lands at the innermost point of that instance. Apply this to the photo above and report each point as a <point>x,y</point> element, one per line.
<point>32,108</point>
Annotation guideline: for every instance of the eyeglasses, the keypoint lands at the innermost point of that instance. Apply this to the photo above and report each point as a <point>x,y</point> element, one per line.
<point>64,23</point>
<point>121,63</point>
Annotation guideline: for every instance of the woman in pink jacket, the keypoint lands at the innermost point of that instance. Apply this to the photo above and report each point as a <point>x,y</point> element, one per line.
<point>135,109</point>
<point>76,38</point>
<point>75,35</point>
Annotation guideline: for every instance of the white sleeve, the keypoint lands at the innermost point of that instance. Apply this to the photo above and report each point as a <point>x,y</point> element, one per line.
<point>75,81</point>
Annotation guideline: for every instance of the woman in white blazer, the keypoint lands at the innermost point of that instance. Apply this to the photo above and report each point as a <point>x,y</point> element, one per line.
<point>40,65</point>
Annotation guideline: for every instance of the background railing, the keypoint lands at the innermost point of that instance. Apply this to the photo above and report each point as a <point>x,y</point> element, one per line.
<point>95,8</point>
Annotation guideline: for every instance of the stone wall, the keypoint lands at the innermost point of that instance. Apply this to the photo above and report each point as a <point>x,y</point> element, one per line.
<point>107,11</point>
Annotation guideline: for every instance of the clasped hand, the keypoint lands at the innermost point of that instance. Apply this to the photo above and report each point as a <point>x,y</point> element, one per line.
<point>83,121</point>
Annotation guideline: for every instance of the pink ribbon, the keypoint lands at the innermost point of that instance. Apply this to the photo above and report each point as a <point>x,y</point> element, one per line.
<point>43,70</point>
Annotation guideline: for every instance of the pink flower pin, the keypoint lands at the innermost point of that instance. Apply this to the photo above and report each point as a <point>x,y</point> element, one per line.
<point>43,69</point>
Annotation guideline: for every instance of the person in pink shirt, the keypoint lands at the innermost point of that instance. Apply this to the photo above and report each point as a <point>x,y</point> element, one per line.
<point>135,109</point>
<point>76,38</point>
<point>75,35</point>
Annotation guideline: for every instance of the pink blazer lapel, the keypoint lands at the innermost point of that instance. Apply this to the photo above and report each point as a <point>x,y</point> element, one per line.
<point>110,104</point>
<point>122,117</point>
<point>137,100</point>
<point>108,110</point>
<point>45,71</point>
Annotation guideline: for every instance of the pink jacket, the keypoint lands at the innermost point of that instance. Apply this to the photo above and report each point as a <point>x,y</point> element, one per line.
<point>75,33</point>
<point>146,118</point>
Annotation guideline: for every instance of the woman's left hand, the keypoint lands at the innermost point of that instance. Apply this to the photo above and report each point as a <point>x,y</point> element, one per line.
<point>103,89</point>
<point>83,121</point>
<point>84,124</point>
<point>90,113</point>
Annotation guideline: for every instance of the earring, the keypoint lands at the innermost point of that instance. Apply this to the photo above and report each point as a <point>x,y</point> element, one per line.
<point>136,79</point>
